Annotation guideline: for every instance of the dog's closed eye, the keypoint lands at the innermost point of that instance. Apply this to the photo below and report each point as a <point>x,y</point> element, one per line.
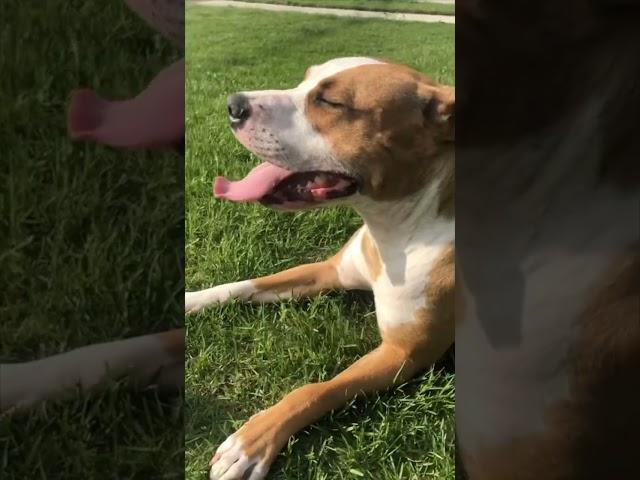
<point>321,100</point>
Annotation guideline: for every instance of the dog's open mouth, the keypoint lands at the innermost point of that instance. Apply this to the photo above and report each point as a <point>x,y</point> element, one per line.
<point>276,186</point>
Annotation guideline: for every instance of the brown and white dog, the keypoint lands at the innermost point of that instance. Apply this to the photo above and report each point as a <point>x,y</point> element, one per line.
<point>379,137</point>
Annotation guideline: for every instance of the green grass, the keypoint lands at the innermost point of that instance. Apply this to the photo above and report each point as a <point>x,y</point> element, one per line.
<point>88,240</point>
<point>405,6</point>
<point>242,358</point>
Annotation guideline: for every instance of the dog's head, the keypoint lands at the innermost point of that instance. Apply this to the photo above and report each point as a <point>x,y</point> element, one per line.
<point>353,127</point>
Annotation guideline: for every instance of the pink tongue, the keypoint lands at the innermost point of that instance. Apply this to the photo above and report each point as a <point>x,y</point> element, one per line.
<point>155,118</point>
<point>260,181</point>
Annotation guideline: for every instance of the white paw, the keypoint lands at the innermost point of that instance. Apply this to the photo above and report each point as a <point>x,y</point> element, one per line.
<point>194,301</point>
<point>197,301</point>
<point>232,463</point>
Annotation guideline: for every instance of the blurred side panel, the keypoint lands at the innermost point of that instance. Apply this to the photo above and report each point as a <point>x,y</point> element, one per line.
<point>91,239</point>
<point>548,266</point>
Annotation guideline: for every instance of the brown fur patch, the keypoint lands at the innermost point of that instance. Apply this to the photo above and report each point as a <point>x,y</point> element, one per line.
<point>390,132</point>
<point>371,256</point>
<point>174,341</point>
<point>301,281</point>
<point>433,332</point>
<point>305,280</point>
<point>441,286</point>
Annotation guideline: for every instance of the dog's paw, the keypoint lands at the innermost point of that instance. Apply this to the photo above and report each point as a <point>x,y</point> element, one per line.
<point>248,453</point>
<point>218,295</point>
<point>195,301</point>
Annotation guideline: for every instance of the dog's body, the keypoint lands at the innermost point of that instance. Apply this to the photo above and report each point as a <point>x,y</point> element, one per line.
<point>378,137</point>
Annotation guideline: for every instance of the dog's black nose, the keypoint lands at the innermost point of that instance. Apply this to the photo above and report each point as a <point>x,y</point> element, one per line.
<point>239,108</point>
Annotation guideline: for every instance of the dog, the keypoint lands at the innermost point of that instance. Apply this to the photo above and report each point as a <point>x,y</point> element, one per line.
<point>379,137</point>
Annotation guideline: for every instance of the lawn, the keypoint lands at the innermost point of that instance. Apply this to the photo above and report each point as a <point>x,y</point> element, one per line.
<point>242,358</point>
<point>90,240</point>
<point>405,6</point>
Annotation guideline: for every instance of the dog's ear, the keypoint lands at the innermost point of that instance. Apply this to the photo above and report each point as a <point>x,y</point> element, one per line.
<point>438,106</point>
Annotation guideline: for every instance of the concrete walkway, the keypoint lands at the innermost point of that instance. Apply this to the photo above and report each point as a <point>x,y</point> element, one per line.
<point>338,12</point>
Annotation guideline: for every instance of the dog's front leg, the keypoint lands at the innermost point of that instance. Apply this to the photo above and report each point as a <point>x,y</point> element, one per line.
<point>156,359</point>
<point>305,280</point>
<point>339,271</point>
<point>249,452</point>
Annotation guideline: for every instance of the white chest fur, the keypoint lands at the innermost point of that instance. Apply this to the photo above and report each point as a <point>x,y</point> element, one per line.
<point>400,289</point>
<point>404,260</point>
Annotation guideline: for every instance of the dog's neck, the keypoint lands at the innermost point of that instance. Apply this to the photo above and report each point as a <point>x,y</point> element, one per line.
<point>395,225</point>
